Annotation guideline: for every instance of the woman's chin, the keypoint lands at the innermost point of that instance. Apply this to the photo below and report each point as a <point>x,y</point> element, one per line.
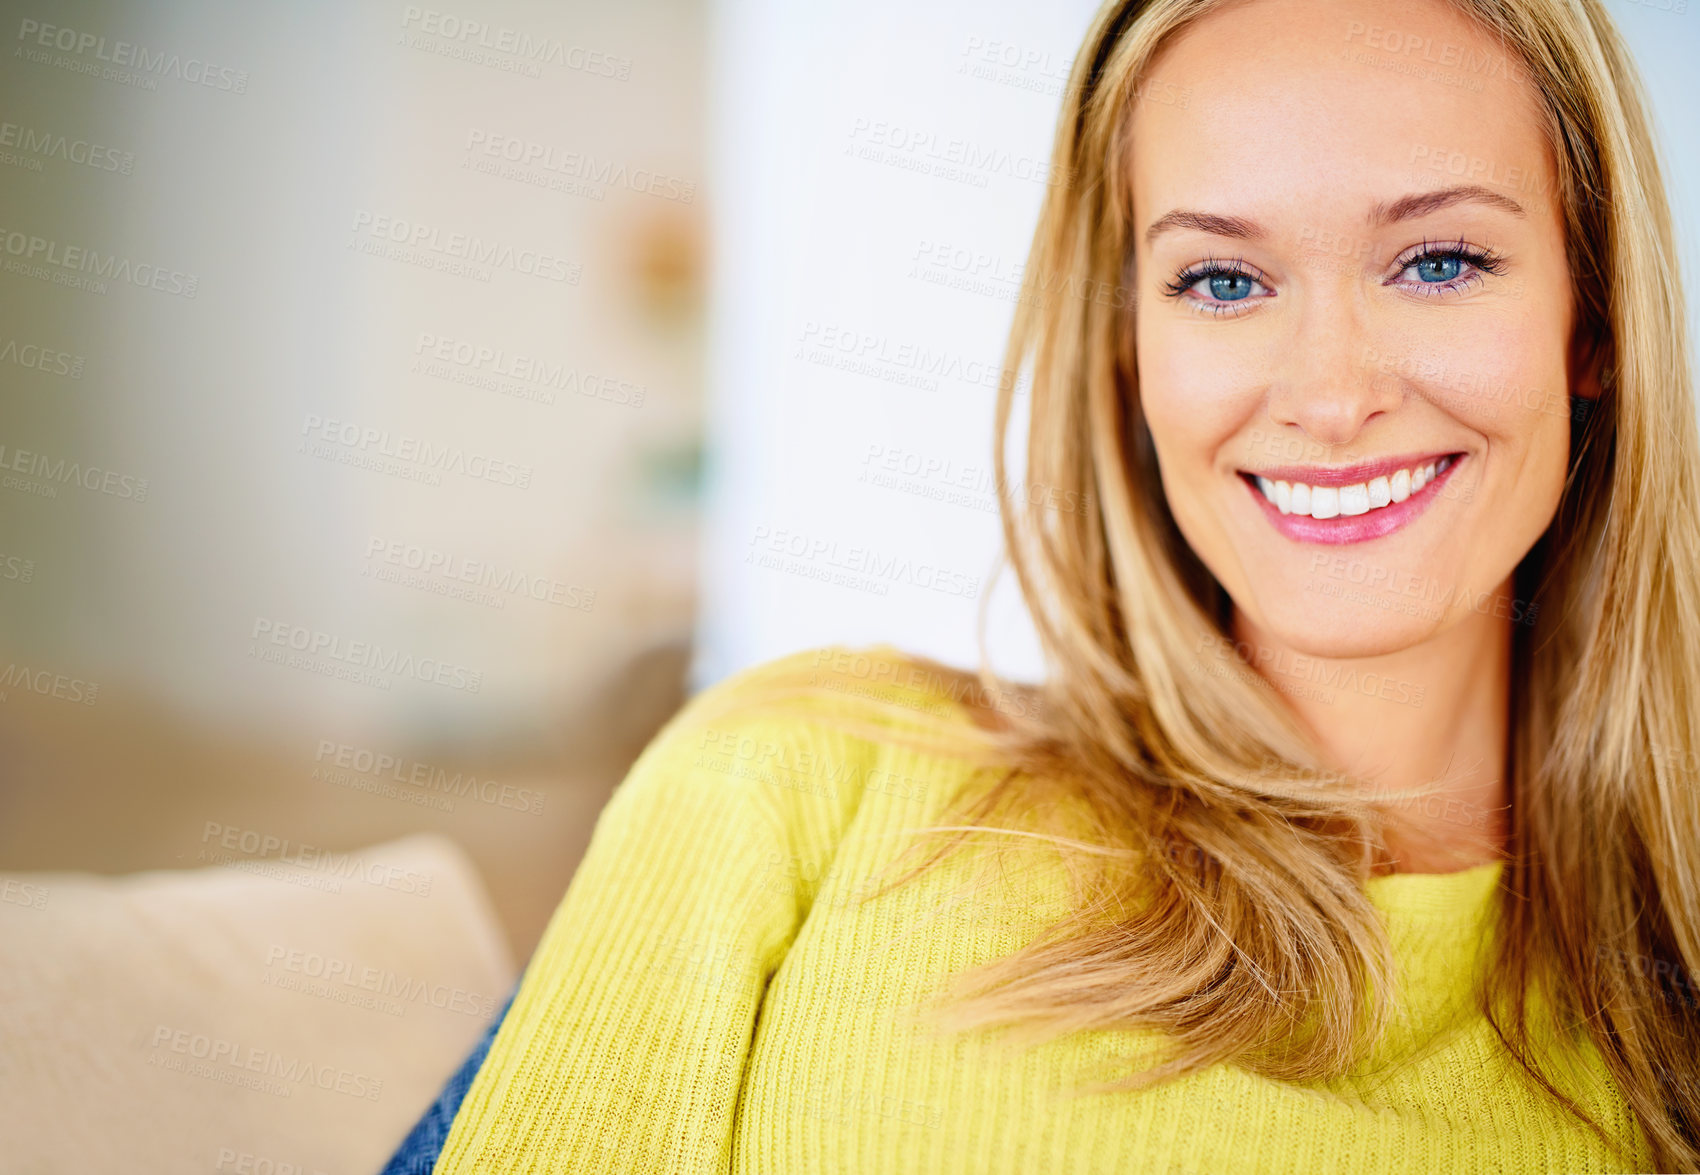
<point>1338,629</point>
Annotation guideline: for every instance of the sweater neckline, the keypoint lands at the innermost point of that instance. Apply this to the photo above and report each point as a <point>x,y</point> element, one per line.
<point>1462,894</point>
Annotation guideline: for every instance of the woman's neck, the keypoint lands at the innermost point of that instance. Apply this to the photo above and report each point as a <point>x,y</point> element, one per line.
<point>1433,716</point>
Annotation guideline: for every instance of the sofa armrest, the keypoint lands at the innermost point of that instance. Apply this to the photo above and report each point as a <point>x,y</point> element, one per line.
<point>288,1015</point>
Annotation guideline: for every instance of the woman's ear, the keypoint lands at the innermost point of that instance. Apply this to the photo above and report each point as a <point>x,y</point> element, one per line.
<point>1588,352</point>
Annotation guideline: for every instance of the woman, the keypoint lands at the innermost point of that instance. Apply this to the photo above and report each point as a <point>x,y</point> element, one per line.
<point>1354,826</point>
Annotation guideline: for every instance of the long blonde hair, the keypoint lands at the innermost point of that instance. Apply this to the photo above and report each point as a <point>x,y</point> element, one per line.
<point>1254,941</point>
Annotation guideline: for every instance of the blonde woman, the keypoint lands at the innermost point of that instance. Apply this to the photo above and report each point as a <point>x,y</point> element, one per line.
<point>1354,827</point>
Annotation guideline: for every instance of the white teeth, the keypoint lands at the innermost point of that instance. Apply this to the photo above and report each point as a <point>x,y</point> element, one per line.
<point>1348,501</point>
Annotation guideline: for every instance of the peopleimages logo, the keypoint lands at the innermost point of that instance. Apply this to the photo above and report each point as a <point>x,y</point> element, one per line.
<point>575,165</point>
<point>268,849</point>
<point>285,1073</point>
<point>861,567</point>
<point>879,356</point>
<point>433,564</point>
<point>379,981</point>
<point>516,374</point>
<point>1302,669</point>
<point>62,472</point>
<point>432,239</point>
<point>383,767</point>
<point>517,43</point>
<point>28,894</point>
<point>379,444</point>
<point>926,150</point>
<point>47,360</point>
<point>53,145</point>
<point>56,256</point>
<point>49,684</point>
<point>129,55</point>
<point>365,656</point>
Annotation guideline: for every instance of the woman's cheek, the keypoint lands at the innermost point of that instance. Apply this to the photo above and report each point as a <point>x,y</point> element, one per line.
<point>1198,397</point>
<point>1493,373</point>
<point>1195,396</point>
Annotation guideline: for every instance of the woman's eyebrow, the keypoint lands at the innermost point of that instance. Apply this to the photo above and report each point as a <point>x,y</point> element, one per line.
<point>1421,204</point>
<point>1385,213</point>
<point>1205,222</point>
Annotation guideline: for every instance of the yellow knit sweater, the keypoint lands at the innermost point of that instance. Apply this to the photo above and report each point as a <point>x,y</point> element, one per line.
<point>711,996</point>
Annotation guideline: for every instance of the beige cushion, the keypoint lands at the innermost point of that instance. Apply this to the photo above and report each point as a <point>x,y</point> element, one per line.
<point>259,1017</point>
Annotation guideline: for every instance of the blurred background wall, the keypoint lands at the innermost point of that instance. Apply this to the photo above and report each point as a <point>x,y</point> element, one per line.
<point>352,380</point>
<point>402,407</point>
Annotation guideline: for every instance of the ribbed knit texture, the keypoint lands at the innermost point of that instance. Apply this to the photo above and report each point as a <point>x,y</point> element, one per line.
<point>710,997</point>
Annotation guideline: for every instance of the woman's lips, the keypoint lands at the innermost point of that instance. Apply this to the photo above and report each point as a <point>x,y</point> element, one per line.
<point>1371,523</point>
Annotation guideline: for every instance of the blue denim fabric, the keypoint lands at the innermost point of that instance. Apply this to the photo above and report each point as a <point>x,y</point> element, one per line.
<point>419,1150</point>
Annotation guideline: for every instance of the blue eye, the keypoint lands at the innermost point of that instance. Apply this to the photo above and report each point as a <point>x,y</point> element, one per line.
<point>1230,287</point>
<point>1439,268</point>
<point>1218,286</point>
<point>1445,268</point>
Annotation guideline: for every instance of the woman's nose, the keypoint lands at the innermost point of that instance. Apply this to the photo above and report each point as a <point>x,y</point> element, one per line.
<point>1324,381</point>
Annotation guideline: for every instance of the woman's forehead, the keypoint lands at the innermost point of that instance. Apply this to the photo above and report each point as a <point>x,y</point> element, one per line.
<point>1343,102</point>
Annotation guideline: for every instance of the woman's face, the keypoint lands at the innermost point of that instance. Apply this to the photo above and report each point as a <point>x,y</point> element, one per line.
<point>1352,284</point>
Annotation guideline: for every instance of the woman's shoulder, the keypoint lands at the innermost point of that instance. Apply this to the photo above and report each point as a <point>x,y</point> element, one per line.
<point>834,727</point>
<point>877,692</point>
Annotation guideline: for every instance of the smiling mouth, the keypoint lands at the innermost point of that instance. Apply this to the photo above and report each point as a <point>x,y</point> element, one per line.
<point>1350,504</point>
<point>1322,494</point>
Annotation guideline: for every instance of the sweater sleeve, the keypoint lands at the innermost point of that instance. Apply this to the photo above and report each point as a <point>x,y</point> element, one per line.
<point>625,1046</point>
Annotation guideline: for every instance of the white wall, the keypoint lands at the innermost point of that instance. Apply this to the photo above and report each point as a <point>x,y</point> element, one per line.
<point>833,125</point>
<point>877,179</point>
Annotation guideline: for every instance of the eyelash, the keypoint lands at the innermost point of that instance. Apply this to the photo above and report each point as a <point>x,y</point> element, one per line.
<point>1481,261</point>
<point>1210,267</point>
